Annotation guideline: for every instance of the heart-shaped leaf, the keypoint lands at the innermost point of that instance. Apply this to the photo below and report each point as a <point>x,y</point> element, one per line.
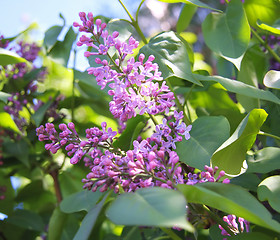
<point>228,34</point>
<point>171,55</point>
<point>269,190</point>
<point>231,155</point>
<point>207,134</point>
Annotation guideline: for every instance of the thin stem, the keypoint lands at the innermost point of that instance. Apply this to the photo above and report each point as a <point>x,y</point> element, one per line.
<point>181,108</point>
<point>128,13</point>
<point>269,135</point>
<point>170,233</point>
<point>134,22</point>
<point>58,193</point>
<point>186,100</point>
<point>138,9</point>
<point>269,49</point>
<point>218,220</point>
<point>73,87</point>
<point>153,119</point>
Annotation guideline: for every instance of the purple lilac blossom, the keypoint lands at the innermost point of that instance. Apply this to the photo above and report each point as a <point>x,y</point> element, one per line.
<point>131,82</point>
<point>151,162</point>
<point>234,226</point>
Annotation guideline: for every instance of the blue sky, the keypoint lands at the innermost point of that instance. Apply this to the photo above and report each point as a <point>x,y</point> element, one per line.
<point>16,15</point>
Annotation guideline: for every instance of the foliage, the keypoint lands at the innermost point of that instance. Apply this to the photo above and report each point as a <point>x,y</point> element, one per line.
<point>166,145</point>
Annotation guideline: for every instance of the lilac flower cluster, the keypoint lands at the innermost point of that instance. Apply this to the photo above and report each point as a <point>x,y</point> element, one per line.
<point>25,98</point>
<point>131,82</point>
<point>234,226</point>
<point>28,51</point>
<point>151,162</point>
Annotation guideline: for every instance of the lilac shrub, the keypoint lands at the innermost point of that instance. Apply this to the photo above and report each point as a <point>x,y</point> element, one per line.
<point>134,86</point>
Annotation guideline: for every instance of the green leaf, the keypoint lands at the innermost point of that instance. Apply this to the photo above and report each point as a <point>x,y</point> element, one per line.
<point>230,199</point>
<point>8,123</point>
<point>251,72</point>
<point>269,190</point>
<point>240,88</point>
<point>275,29</point>
<point>249,181</point>
<point>56,224</point>
<point>8,203</point>
<point>150,207</point>
<point>251,236</point>
<point>131,132</point>
<point>265,11</point>
<point>89,221</point>
<point>272,79</point>
<point>264,160</point>
<point>26,219</point>
<point>51,36</point>
<point>185,17</point>
<point>231,155</point>
<point>124,28</point>
<point>84,200</point>
<point>171,55</point>
<point>4,97</point>
<point>228,34</point>
<point>207,134</point>
<point>61,50</point>
<point>18,149</point>
<point>88,84</point>
<point>8,57</point>
<point>196,3</point>
<point>38,116</point>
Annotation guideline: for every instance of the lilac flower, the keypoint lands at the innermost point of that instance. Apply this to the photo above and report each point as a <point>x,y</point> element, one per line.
<point>234,226</point>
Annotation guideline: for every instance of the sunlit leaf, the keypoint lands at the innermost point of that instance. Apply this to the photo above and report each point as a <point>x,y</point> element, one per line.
<point>8,57</point>
<point>171,55</point>
<point>269,190</point>
<point>4,96</point>
<point>232,153</point>
<point>272,79</point>
<point>265,11</point>
<point>150,207</point>
<point>230,199</point>
<point>7,122</point>
<point>275,29</point>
